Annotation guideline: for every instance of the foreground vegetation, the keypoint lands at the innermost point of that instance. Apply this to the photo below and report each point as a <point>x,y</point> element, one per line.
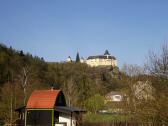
<point>100,118</point>
<point>84,86</point>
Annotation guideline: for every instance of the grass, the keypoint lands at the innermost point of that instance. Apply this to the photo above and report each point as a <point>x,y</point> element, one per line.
<point>97,118</point>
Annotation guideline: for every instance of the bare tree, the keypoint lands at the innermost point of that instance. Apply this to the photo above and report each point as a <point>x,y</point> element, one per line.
<point>157,64</point>
<point>132,70</point>
<point>24,81</point>
<point>70,91</point>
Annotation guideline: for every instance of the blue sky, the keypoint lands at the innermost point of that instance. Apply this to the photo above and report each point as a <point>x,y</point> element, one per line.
<point>55,29</point>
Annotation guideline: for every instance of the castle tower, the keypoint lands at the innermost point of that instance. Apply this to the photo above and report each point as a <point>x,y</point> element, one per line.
<point>69,59</point>
<point>107,54</point>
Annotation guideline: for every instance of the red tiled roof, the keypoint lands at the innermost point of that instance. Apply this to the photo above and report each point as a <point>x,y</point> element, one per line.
<point>43,99</point>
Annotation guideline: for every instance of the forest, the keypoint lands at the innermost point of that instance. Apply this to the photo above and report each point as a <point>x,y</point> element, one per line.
<point>84,86</point>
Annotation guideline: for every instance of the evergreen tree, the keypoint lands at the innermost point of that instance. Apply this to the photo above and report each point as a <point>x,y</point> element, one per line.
<point>77,57</point>
<point>21,53</point>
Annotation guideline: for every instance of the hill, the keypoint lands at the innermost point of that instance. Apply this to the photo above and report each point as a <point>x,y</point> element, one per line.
<point>21,73</point>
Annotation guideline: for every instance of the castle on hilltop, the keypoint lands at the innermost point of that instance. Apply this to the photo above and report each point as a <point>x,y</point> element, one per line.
<point>98,60</point>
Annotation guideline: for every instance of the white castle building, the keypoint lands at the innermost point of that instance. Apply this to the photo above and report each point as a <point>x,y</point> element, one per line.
<point>69,59</point>
<point>102,60</point>
<point>98,60</point>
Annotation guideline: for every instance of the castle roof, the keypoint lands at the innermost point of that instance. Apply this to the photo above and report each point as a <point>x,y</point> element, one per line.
<point>105,56</point>
<point>101,57</point>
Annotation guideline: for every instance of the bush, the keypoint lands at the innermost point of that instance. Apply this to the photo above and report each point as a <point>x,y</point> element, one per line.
<point>94,103</point>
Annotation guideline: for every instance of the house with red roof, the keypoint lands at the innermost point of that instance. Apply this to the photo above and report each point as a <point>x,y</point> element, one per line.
<point>48,108</point>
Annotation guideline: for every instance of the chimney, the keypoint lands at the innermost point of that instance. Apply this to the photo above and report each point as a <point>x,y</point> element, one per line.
<point>52,88</point>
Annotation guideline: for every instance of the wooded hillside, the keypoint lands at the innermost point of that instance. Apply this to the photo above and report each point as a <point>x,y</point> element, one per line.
<point>21,73</point>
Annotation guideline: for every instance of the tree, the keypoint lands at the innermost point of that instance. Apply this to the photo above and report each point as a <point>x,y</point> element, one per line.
<point>21,53</point>
<point>132,70</point>
<point>70,91</point>
<point>157,64</point>
<point>24,82</point>
<point>77,57</point>
<point>94,103</point>
<point>11,97</point>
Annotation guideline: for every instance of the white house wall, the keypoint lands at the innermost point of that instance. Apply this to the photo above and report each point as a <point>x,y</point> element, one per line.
<point>114,98</point>
<point>59,124</point>
<point>67,119</point>
<point>117,98</point>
